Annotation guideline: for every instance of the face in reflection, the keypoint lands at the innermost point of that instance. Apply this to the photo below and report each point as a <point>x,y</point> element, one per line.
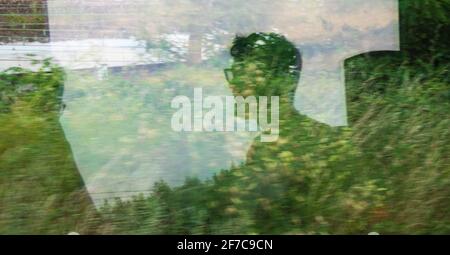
<point>263,65</point>
<point>245,76</point>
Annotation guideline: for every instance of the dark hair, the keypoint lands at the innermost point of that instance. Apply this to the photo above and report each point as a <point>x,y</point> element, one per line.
<point>278,62</point>
<point>280,55</point>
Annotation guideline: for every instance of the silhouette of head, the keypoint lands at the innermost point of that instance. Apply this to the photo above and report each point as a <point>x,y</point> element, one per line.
<point>264,64</point>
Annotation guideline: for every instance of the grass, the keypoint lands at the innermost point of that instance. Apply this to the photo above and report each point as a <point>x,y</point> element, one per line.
<point>388,172</point>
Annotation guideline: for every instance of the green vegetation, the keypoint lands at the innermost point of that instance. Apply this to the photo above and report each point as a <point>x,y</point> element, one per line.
<point>41,190</point>
<point>388,172</point>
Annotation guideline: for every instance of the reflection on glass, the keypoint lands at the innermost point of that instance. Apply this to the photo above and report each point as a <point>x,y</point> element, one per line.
<point>125,65</point>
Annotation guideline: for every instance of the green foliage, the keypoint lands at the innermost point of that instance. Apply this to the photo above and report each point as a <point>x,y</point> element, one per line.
<point>424,29</point>
<point>41,91</point>
<point>389,172</point>
<point>41,191</point>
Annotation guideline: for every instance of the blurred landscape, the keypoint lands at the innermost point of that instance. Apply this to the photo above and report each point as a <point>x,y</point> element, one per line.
<point>387,172</point>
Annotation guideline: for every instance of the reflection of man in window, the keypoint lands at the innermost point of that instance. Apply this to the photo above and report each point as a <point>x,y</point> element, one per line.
<point>280,175</point>
<point>267,65</point>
